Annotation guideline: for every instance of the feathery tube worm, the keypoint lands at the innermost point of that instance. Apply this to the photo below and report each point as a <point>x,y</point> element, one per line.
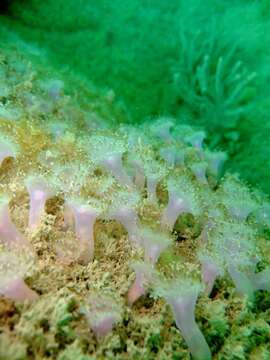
<point>104,325</point>
<point>240,209</point>
<point>209,225</point>
<point>13,267</point>
<point>68,217</point>
<point>169,155</point>
<point>199,171</point>
<point>154,244</point>
<point>216,161</point>
<point>155,171</point>
<point>84,218</point>
<point>39,193</point>
<point>180,158</point>
<point>172,155</point>
<point>176,206</point>
<point>139,177</point>
<point>241,281</point>
<point>143,275</point>
<point>9,235</point>
<point>238,200</point>
<point>102,314</point>
<point>114,164</point>
<point>248,282</point>
<point>196,139</point>
<point>151,185</point>
<point>17,290</point>
<point>182,301</point>
<point>210,272</point>
<point>162,129</point>
<point>128,217</point>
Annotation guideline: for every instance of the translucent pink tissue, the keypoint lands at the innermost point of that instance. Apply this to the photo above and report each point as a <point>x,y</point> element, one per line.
<point>138,177</point>
<point>176,206</point>
<point>154,243</point>
<point>144,275</point>
<point>114,164</point>
<point>39,193</point>
<point>210,272</point>
<point>196,139</point>
<point>102,314</point>
<point>104,326</point>
<point>17,290</point>
<point>183,307</point>
<point>85,218</point>
<point>129,219</point>
<point>9,235</point>
<point>152,182</point>
<point>199,171</point>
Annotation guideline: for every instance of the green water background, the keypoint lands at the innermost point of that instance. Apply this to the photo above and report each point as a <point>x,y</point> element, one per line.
<point>158,55</point>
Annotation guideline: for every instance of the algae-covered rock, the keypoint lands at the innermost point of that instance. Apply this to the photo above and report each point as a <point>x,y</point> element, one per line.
<point>128,251</point>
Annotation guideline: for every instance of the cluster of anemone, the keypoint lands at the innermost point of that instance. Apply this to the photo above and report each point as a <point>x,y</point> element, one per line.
<point>146,180</point>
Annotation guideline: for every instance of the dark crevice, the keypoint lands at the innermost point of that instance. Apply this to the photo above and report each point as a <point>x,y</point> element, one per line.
<point>5,6</point>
